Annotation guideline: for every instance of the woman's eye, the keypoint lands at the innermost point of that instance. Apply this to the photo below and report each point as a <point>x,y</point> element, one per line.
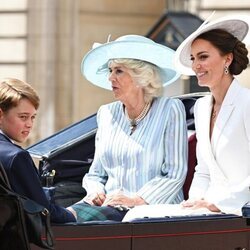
<point>203,57</point>
<point>119,71</point>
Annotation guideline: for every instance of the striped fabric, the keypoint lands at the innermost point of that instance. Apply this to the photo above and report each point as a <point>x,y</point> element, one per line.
<point>152,162</point>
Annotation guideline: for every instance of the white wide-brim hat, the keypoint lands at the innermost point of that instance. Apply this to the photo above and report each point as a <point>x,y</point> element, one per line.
<point>237,25</point>
<point>129,47</point>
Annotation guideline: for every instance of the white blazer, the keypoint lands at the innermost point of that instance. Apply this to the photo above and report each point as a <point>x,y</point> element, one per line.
<point>223,172</point>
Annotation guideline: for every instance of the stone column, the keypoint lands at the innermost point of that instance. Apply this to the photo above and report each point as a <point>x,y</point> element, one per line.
<point>41,73</point>
<point>52,39</point>
<point>67,64</point>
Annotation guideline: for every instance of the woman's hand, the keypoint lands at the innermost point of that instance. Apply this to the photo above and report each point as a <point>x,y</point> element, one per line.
<point>196,204</point>
<point>121,199</point>
<point>96,199</point>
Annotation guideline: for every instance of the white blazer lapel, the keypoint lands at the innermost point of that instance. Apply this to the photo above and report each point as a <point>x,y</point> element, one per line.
<point>220,123</point>
<point>224,114</point>
<point>205,146</point>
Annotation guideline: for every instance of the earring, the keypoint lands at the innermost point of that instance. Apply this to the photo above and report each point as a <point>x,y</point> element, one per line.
<point>226,70</point>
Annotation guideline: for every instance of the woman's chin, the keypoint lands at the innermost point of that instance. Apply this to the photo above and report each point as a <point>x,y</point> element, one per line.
<point>202,83</point>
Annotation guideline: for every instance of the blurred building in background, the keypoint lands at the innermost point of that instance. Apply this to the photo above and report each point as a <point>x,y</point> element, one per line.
<point>43,42</point>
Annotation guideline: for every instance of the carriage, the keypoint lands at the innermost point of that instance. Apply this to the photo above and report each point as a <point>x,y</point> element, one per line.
<point>73,147</point>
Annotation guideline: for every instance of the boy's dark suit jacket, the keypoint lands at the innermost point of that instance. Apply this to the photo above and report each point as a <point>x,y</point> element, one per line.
<point>24,179</point>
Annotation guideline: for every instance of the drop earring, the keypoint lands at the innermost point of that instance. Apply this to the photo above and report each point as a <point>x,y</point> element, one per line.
<point>226,70</point>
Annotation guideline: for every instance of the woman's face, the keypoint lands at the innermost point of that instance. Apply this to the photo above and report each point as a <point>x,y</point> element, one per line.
<point>122,83</point>
<point>208,64</point>
<point>17,122</point>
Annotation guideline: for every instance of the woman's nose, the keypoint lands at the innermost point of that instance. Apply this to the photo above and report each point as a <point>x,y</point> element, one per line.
<point>195,65</point>
<point>111,76</point>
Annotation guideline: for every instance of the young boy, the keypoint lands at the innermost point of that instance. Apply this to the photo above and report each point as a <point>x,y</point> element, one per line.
<point>18,108</point>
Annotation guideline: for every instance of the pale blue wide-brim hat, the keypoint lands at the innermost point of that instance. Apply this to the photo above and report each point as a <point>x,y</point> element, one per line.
<point>94,65</point>
<point>237,25</point>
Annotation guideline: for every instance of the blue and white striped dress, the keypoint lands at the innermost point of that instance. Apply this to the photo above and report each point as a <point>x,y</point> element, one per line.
<point>152,162</point>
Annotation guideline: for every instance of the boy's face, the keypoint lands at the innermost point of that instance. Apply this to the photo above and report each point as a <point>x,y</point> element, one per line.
<point>17,122</point>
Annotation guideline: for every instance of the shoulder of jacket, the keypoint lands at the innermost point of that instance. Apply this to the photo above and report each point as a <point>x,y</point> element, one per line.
<point>109,106</point>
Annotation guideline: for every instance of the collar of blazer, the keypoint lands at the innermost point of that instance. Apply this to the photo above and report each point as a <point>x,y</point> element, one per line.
<point>4,137</point>
<point>225,112</point>
<point>203,124</point>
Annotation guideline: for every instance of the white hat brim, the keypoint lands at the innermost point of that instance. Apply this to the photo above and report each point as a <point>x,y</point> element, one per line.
<point>237,25</point>
<point>152,52</point>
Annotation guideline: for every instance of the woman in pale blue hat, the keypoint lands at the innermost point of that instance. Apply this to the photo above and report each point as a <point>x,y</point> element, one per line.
<point>216,53</point>
<point>141,142</point>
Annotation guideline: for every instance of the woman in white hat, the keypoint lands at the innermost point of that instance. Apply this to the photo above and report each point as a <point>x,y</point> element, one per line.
<point>215,53</point>
<point>141,142</point>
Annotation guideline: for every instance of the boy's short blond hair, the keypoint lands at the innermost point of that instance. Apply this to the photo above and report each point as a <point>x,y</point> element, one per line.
<point>13,90</point>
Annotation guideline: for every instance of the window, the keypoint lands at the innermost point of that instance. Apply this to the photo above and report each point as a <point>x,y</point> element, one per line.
<point>13,38</point>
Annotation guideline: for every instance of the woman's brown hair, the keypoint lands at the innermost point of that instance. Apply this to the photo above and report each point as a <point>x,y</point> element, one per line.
<point>226,43</point>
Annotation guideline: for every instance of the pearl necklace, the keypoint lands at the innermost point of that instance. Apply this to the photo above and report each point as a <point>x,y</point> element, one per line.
<point>134,122</point>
